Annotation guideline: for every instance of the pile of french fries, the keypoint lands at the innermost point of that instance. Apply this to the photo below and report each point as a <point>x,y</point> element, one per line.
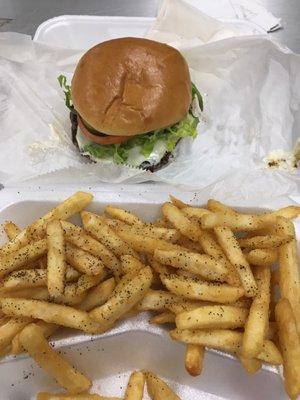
<point>224,280</point>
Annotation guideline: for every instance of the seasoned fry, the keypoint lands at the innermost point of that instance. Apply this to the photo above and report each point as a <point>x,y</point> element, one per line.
<point>63,211</point>
<point>10,328</point>
<point>184,225</point>
<point>186,305</point>
<point>264,242</point>
<point>79,238</point>
<point>178,203</point>
<point>290,344</point>
<point>158,389</point>
<point>86,396</point>
<point>123,215</point>
<point>123,299</point>
<point>157,300</point>
<point>217,206</point>
<point>272,331</point>
<point>56,259</point>
<point>163,318</point>
<point>168,234</point>
<point>29,278</point>
<point>289,280</point>
<point>289,212</point>
<point>212,317</point>
<point>195,213</point>
<point>97,227</point>
<point>98,295</point>
<point>35,344</point>
<point>83,261</point>
<point>227,340</point>
<point>11,230</point>
<point>194,355</point>
<point>199,264</point>
<point>25,255</point>
<point>47,330</point>
<point>135,387</point>
<point>49,312</point>
<point>255,327</point>
<point>235,222</point>
<point>232,250</point>
<point>131,265</point>
<point>262,256</point>
<point>190,244</point>
<point>148,244</point>
<point>195,289</point>
<point>251,365</point>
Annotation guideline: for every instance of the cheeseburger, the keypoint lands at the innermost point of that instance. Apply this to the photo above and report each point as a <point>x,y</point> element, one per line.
<point>131,102</point>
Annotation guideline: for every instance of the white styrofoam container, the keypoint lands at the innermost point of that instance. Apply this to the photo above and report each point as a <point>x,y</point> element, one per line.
<point>85,31</point>
<point>108,359</point>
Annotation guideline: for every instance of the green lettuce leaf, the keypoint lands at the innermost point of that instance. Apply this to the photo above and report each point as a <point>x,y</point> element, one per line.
<point>171,135</point>
<point>67,91</point>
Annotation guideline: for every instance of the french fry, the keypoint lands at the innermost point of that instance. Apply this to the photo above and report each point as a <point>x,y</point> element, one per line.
<point>56,259</point>
<point>195,213</point>
<point>98,295</point>
<point>262,256</point>
<point>264,242</point>
<point>289,212</point>
<point>212,317</point>
<point>131,264</point>
<point>235,255</point>
<point>157,300</point>
<point>30,278</point>
<point>237,221</point>
<point>11,230</point>
<point>163,318</point>
<point>289,281</point>
<point>47,330</point>
<point>86,396</point>
<point>38,293</point>
<point>226,340</point>
<point>178,203</point>
<point>161,223</point>
<point>63,211</point>
<point>255,327</point>
<point>79,238</point>
<point>190,244</point>
<point>135,387</point>
<point>96,226</point>
<point>49,312</point>
<point>194,355</point>
<point>195,289</point>
<point>184,225</point>
<point>158,267</point>
<point>148,245</point>
<point>86,282</point>
<point>25,255</point>
<point>35,344</point>
<point>83,261</point>
<point>251,365</point>
<point>123,215</point>
<point>217,206</point>
<point>11,328</point>
<point>185,306</point>
<point>158,389</point>
<point>124,299</point>
<point>290,344</point>
<point>271,331</point>
<point>168,234</point>
<point>199,264</point>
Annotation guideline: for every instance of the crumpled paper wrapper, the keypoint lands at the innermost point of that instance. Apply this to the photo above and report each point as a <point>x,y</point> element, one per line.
<point>251,87</point>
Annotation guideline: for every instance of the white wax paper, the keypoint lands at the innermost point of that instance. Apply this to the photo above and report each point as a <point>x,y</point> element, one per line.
<point>251,87</point>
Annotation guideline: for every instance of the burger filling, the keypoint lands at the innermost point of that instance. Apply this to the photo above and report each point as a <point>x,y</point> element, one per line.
<point>144,150</point>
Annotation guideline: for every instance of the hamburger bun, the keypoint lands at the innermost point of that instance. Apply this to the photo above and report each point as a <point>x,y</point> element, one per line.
<point>131,86</point>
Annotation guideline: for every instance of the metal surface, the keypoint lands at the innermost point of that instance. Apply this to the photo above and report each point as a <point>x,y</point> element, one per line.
<point>26,15</point>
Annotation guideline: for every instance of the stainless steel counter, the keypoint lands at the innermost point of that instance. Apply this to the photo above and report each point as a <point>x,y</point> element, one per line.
<point>25,15</point>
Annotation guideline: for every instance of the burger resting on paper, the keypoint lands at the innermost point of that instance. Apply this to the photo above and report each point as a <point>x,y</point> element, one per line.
<point>131,102</point>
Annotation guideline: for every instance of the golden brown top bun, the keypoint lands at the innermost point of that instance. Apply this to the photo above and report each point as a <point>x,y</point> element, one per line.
<point>130,86</point>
